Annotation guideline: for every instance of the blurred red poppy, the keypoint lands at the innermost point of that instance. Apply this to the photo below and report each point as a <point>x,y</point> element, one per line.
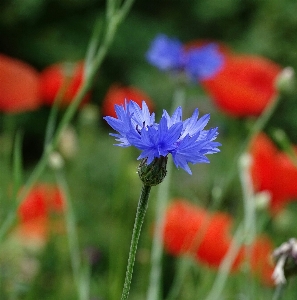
<point>41,201</point>
<point>244,86</point>
<point>273,171</point>
<point>117,95</point>
<point>285,187</point>
<point>189,229</point>
<point>193,230</point>
<point>260,259</point>
<point>65,78</point>
<point>19,86</point>
<point>182,222</point>
<point>35,212</point>
<point>217,240</point>
<point>263,168</point>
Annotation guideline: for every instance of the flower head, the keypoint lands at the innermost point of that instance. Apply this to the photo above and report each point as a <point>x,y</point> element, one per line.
<point>205,235</point>
<point>194,230</point>
<point>186,141</point>
<point>65,78</point>
<point>117,94</point>
<point>204,62</point>
<point>197,63</point>
<point>165,53</point>
<point>36,211</point>
<point>244,85</point>
<point>19,88</point>
<point>273,171</point>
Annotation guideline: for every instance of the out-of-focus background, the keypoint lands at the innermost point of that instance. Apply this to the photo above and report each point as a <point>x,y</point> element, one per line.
<point>102,179</point>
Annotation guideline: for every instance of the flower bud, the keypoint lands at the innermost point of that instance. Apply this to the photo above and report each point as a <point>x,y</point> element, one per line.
<point>285,80</point>
<point>56,161</point>
<point>154,173</point>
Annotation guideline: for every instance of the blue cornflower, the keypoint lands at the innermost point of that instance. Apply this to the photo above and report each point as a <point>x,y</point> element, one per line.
<point>187,141</point>
<point>165,53</point>
<point>197,63</point>
<point>203,62</point>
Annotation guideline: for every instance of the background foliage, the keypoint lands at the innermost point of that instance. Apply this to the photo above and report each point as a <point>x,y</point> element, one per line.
<point>102,178</point>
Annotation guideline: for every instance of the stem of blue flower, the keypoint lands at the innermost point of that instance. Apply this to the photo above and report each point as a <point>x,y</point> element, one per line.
<point>140,214</point>
<point>153,293</point>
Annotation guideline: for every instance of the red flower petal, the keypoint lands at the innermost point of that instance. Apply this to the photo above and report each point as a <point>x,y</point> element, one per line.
<point>274,171</point>
<point>19,88</point>
<point>62,77</point>
<point>41,200</point>
<point>216,241</point>
<point>260,259</point>
<point>117,95</point>
<point>33,207</point>
<point>189,229</point>
<point>182,223</point>
<point>244,86</point>
<point>263,167</point>
<point>285,188</point>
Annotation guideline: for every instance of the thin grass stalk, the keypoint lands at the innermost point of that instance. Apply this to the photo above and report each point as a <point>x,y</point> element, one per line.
<point>112,25</point>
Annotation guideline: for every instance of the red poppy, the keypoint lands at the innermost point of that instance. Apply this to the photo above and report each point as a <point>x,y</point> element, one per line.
<point>117,95</point>
<point>193,230</point>
<point>33,232</point>
<point>65,78</point>
<point>263,168</point>
<point>182,222</point>
<point>19,86</point>
<point>260,259</point>
<point>42,200</point>
<point>217,240</point>
<point>244,86</point>
<point>35,214</point>
<point>285,188</point>
<point>273,171</point>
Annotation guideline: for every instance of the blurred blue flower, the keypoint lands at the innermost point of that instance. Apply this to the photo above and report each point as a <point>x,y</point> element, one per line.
<point>187,141</point>
<point>204,62</point>
<point>198,63</point>
<point>165,53</point>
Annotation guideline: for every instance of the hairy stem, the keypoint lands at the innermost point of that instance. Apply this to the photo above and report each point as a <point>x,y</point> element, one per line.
<point>140,214</point>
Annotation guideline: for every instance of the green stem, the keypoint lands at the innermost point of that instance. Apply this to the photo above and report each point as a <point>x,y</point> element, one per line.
<point>112,25</point>
<point>279,290</point>
<point>140,214</point>
<point>72,235</point>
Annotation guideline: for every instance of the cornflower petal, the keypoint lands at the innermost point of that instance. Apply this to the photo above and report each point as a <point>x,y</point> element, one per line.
<point>140,117</point>
<point>193,150</point>
<point>176,116</point>
<point>158,142</point>
<point>193,125</point>
<point>120,124</point>
<point>186,141</point>
<point>204,62</point>
<point>165,53</point>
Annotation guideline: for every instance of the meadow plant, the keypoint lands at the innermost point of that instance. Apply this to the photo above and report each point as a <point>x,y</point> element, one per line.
<point>66,214</point>
<point>187,141</point>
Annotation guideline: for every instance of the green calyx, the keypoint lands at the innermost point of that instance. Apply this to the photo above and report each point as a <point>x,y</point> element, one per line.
<point>154,173</point>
